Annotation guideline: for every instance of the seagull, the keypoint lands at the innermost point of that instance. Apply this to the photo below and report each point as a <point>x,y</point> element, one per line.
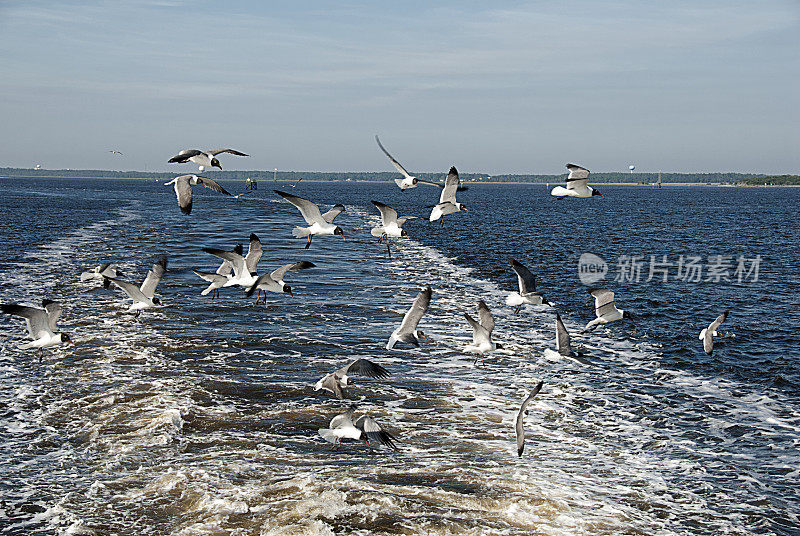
<point>408,332</point>
<point>481,332</point>
<point>447,199</point>
<point>408,181</point>
<point>102,272</point>
<point>183,189</point>
<point>144,297</point>
<point>521,415</point>
<point>244,268</point>
<point>527,289</point>
<point>576,184</point>
<point>363,429</point>
<point>335,381</point>
<point>112,151</point>
<point>321,224</point>
<point>274,282</point>
<point>42,324</point>
<point>708,334</point>
<point>220,277</point>
<point>604,308</point>
<point>391,225</point>
<point>203,159</point>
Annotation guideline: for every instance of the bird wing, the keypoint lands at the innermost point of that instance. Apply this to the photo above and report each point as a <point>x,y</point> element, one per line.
<point>215,152</point>
<point>603,301</point>
<point>254,252</point>
<point>342,419</point>
<point>397,164</point>
<point>309,210</point>
<point>211,277</point>
<point>36,319</point>
<point>485,315</point>
<point>521,415</point>
<point>130,289</point>
<point>526,280</point>
<point>277,275</point>
<point>578,177</point>
<point>332,384</point>
<point>184,156</point>
<point>53,310</point>
<point>236,260</point>
<point>365,368</point>
<point>479,333</point>
<point>416,312</point>
<point>562,337</point>
<point>388,214</point>
<point>183,190</point>
<point>450,187</point>
<point>402,219</point>
<point>332,213</point>
<point>211,183</point>
<point>150,282</point>
<point>374,432</point>
<point>716,323</point>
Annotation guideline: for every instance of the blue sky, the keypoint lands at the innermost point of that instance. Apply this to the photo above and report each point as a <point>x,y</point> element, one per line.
<point>514,87</point>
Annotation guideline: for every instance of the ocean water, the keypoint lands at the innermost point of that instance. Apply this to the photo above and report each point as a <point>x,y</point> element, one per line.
<point>201,418</point>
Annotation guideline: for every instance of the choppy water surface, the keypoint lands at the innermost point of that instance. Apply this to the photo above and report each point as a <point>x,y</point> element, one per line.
<point>201,418</point>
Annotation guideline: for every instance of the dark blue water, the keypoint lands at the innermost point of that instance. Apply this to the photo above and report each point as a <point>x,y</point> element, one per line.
<point>201,417</point>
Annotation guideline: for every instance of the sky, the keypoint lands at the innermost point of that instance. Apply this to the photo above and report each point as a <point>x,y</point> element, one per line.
<point>491,87</point>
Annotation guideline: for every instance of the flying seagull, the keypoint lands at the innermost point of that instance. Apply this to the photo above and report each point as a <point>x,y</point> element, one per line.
<point>408,181</point>
<point>335,381</point>
<point>391,225</point>
<point>112,151</point>
<point>102,273</point>
<point>481,332</point>
<point>527,288</point>
<point>408,332</point>
<point>708,334</point>
<point>202,158</point>
<point>42,324</point>
<point>319,224</point>
<point>604,308</point>
<point>144,296</point>
<point>447,199</point>
<point>244,268</point>
<point>521,415</point>
<point>273,282</point>
<point>576,184</point>
<point>363,429</point>
<point>183,189</point>
<point>218,279</point>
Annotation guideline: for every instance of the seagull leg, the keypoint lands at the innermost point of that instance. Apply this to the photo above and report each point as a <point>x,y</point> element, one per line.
<point>40,353</point>
<point>387,248</point>
<point>517,309</point>
<point>309,241</point>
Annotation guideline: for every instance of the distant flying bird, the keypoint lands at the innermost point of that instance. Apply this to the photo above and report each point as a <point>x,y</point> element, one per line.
<point>273,282</point>
<point>407,332</point>
<point>604,308</point>
<point>447,200</point>
<point>112,151</point>
<point>408,181</point>
<point>481,332</point>
<point>144,296</point>
<point>523,411</point>
<point>576,184</point>
<point>335,381</point>
<point>102,273</point>
<point>708,334</point>
<point>202,158</point>
<point>42,324</point>
<point>319,224</point>
<point>391,225</point>
<point>527,288</point>
<point>183,189</point>
<point>365,428</point>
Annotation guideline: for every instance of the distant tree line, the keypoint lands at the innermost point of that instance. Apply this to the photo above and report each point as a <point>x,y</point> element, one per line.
<point>266,175</point>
